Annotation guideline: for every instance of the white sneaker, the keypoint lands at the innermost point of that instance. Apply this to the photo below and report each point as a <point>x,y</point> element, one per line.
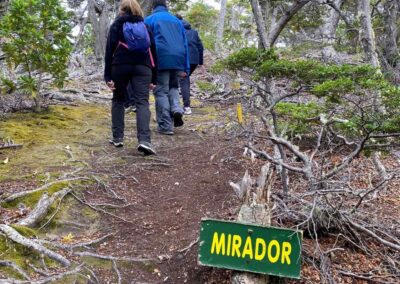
<point>188,111</point>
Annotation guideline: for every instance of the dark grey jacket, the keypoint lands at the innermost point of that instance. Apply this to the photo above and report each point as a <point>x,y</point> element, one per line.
<point>196,48</point>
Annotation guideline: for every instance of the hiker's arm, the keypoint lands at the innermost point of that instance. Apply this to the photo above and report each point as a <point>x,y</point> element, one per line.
<point>187,63</point>
<point>112,42</point>
<point>153,52</point>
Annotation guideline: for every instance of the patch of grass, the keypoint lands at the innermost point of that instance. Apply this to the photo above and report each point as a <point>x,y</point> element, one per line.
<point>206,87</point>
<point>45,135</point>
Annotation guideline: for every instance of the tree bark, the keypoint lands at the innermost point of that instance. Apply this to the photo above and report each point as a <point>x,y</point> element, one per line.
<point>328,32</point>
<point>390,17</point>
<point>276,30</point>
<point>3,7</point>
<point>259,19</point>
<point>221,25</point>
<point>99,17</point>
<point>367,35</point>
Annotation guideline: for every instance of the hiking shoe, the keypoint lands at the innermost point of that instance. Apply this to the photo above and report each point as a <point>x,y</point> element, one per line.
<point>146,148</point>
<point>188,111</point>
<point>130,109</point>
<point>117,142</point>
<point>165,132</point>
<point>178,121</point>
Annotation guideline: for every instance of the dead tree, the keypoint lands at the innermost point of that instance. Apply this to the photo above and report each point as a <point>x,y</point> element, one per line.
<point>99,18</point>
<point>221,25</point>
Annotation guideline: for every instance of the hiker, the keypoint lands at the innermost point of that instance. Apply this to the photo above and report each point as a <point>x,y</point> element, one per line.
<point>196,50</point>
<point>129,61</point>
<point>172,60</point>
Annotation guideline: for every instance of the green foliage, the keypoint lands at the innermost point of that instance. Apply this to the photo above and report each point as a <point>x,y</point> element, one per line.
<point>35,37</point>
<point>203,18</point>
<point>205,86</point>
<point>7,86</point>
<point>346,94</point>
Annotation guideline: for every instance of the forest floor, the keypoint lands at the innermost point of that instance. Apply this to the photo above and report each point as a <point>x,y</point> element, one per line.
<point>149,208</point>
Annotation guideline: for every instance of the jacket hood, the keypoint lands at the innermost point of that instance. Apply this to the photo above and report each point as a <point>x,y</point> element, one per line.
<point>186,25</point>
<point>129,18</point>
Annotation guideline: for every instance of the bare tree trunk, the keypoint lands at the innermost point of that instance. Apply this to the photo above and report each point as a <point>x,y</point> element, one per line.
<point>3,7</point>
<point>221,24</point>
<point>328,32</point>
<point>99,17</point>
<point>367,35</point>
<point>276,30</point>
<point>146,6</point>
<point>259,19</point>
<point>390,17</point>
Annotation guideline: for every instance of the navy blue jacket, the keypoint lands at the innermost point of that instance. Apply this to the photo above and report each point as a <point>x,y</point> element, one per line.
<point>169,38</point>
<point>196,48</point>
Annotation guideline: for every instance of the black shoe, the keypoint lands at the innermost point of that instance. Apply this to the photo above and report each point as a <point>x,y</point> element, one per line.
<point>117,142</point>
<point>166,132</point>
<point>178,121</point>
<point>146,148</point>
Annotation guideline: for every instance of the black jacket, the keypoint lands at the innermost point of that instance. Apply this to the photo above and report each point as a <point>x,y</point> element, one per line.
<point>196,48</point>
<point>117,54</point>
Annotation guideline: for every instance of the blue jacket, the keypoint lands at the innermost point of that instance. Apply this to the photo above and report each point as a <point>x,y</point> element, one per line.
<point>196,48</point>
<point>169,38</point>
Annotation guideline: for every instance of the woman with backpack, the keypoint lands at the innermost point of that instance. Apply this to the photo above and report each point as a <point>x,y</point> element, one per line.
<point>128,59</point>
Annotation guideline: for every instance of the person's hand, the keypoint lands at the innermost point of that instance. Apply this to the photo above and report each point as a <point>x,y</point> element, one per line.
<point>182,74</point>
<point>111,85</point>
<point>152,87</point>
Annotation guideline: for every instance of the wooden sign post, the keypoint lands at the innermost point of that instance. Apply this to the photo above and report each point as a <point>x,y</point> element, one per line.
<point>252,248</point>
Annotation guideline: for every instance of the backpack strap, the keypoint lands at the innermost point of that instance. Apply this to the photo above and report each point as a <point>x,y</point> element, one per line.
<point>151,59</point>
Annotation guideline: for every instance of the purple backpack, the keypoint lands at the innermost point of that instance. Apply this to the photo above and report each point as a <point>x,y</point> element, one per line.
<point>136,37</point>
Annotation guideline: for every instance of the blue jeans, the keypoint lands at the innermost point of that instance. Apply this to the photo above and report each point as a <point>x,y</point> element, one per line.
<point>167,98</point>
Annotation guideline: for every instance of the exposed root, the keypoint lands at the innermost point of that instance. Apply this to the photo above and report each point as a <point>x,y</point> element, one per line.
<point>42,208</point>
<point>115,267</point>
<point>186,249</point>
<point>77,245</point>
<point>50,279</point>
<point>113,258</point>
<point>15,267</point>
<point>18,238</point>
<point>43,187</point>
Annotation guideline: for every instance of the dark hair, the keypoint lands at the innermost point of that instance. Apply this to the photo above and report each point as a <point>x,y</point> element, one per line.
<point>159,3</point>
<point>179,16</point>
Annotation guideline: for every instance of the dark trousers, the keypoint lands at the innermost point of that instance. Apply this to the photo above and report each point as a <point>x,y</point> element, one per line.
<point>185,86</point>
<point>139,77</point>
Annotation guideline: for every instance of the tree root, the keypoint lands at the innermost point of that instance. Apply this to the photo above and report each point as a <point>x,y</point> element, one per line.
<point>42,208</point>
<point>113,258</point>
<point>14,267</point>
<point>50,279</point>
<point>18,238</point>
<point>44,187</point>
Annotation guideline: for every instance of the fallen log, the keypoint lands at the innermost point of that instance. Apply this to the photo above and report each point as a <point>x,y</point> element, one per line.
<point>13,235</point>
<point>42,208</point>
<point>10,146</point>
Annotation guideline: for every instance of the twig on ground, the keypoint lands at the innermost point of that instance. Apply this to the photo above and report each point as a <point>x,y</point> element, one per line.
<point>186,249</point>
<point>77,245</point>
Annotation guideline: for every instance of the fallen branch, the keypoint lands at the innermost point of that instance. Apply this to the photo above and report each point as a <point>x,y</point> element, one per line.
<point>43,187</point>
<point>14,267</point>
<point>42,208</point>
<point>13,235</point>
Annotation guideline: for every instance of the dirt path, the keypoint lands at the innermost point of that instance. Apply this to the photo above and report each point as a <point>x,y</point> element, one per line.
<point>154,204</point>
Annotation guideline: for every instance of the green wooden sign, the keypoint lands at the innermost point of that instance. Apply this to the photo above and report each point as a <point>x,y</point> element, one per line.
<point>238,246</point>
